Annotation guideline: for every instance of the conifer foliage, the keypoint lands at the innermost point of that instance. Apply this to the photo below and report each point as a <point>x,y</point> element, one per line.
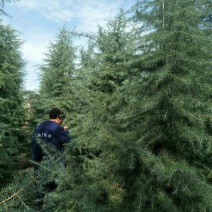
<point>141,100</point>
<point>147,121</point>
<point>105,72</point>
<point>11,99</point>
<point>172,159</point>
<point>57,71</point>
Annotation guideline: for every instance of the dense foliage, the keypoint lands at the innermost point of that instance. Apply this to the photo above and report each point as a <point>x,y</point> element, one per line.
<point>11,98</point>
<point>56,74</point>
<point>138,99</point>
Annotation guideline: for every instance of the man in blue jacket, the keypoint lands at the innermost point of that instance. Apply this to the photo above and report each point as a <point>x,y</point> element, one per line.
<point>49,133</point>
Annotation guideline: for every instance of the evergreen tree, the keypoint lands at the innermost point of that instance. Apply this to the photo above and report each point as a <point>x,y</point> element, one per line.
<point>11,99</point>
<point>56,89</point>
<point>168,150</point>
<point>57,72</point>
<point>104,70</point>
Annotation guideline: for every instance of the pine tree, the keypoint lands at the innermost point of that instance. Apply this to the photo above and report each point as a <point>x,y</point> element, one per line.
<point>166,165</point>
<point>56,89</point>
<point>104,70</point>
<point>11,100</point>
<point>57,72</point>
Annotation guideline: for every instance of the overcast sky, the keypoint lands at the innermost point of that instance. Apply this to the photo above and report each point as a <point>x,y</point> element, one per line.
<point>40,20</point>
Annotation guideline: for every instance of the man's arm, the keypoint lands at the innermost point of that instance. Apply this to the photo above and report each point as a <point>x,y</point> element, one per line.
<point>63,134</point>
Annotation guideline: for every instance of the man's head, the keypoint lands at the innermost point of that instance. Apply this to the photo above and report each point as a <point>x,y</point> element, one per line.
<point>56,113</point>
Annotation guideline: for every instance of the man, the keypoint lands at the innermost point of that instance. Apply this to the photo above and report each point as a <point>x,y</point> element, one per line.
<point>53,136</point>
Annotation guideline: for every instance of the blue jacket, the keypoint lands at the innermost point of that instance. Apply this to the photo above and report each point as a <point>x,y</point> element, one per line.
<point>52,133</point>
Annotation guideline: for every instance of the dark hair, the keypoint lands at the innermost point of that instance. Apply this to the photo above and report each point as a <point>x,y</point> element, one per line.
<point>56,113</point>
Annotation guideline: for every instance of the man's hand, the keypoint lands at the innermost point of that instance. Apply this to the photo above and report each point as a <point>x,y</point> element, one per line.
<point>65,127</point>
